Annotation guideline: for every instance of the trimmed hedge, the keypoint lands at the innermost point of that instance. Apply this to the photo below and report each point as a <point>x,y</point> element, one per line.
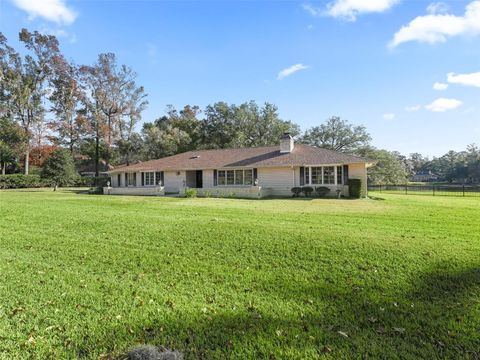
<point>355,188</point>
<point>322,191</point>
<point>307,190</point>
<point>296,191</point>
<point>19,181</point>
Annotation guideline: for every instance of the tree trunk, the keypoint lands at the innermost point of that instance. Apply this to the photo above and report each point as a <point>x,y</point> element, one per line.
<point>4,167</point>
<point>97,155</point>
<point>27,159</point>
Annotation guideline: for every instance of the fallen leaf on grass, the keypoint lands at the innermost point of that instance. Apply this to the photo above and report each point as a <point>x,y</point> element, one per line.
<point>399,330</point>
<point>343,334</point>
<point>326,349</point>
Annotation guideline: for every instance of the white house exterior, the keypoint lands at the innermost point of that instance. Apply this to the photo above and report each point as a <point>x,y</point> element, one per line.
<point>244,172</point>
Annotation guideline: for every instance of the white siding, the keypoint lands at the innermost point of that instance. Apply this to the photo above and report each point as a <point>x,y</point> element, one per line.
<point>359,171</point>
<point>114,180</point>
<point>279,181</point>
<point>207,178</point>
<point>174,182</point>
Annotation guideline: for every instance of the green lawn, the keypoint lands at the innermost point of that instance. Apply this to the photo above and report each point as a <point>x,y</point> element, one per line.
<point>86,276</point>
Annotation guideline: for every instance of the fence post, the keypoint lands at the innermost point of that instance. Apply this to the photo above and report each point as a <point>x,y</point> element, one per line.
<point>433,187</point>
<point>463,189</point>
<point>406,189</point>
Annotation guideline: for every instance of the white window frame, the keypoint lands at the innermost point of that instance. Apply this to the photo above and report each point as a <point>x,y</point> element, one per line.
<point>308,174</point>
<point>149,178</point>
<point>225,172</point>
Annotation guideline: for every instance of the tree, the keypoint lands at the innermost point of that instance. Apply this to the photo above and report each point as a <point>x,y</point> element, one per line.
<point>245,125</point>
<point>24,80</point>
<point>388,169</point>
<point>11,142</point>
<point>130,143</point>
<point>161,139</point>
<point>112,93</point>
<point>337,134</point>
<point>59,169</point>
<point>259,126</point>
<point>69,126</point>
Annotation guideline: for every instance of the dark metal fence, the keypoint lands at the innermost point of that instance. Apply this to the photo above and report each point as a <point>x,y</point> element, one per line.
<point>431,190</point>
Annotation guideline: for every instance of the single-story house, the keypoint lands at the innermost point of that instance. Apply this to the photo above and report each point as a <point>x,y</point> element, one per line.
<point>254,172</point>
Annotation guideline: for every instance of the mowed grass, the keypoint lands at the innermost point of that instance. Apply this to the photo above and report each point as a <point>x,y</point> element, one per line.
<point>85,276</point>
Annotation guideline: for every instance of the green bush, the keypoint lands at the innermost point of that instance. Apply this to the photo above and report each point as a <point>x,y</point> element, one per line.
<point>307,190</point>
<point>59,169</point>
<point>18,181</point>
<point>355,188</point>
<point>191,193</point>
<point>296,191</point>
<point>207,194</point>
<point>322,191</point>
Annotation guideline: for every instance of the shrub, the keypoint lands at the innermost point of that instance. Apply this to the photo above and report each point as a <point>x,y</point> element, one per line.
<point>59,169</point>
<point>296,191</point>
<point>190,193</point>
<point>207,194</point>
<point>100,181</point>
<point>307,190</point>
<point>18,181</point>
<point>322,191</point>
<point>355,188</point>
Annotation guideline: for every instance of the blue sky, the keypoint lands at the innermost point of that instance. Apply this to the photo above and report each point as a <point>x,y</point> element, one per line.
<point>373,62</point>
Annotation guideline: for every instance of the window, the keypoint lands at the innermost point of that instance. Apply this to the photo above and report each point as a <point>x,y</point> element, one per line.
<point>248,177</point>
<point>238,177</point>
<point>230,177</point>
<point>221,177</point>
<point>159,178</point>
<point>131,179</point>
<point>316,175</point>
<point>235,177</point>
<point>119,180</point>
<point>149,179</point>
<point>339,175</point>
<point>329,175</point>
<point>323,175</point>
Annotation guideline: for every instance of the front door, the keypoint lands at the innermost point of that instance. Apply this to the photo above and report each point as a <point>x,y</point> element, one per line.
<point>199,179</point>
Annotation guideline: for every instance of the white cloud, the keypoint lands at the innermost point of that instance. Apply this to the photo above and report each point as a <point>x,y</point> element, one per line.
<point>472,79</point>
<point>440,86</point>
<point>437,8</point>
<point>350,9</point>
<point>53,10</point>
<point>60,34</point>
<point>312,10</point>
<point>389,116</point>
<point>413,108</point>
<point>434,28</point>
<point>443,104</point>
<point>291,70</point>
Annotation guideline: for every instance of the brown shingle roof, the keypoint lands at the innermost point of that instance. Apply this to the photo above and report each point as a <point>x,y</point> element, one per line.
<point>267,156</point>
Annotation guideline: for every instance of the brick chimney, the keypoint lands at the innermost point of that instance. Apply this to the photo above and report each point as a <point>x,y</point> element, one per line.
<point>286,143</point>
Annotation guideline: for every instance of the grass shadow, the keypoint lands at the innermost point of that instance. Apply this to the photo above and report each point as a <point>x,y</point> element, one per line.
<point>430,319</point>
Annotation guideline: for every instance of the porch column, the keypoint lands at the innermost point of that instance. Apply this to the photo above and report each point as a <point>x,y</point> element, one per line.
<point>335,174</point>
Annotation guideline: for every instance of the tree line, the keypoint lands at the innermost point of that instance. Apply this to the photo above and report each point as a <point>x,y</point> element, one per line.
<point>93,111</point>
